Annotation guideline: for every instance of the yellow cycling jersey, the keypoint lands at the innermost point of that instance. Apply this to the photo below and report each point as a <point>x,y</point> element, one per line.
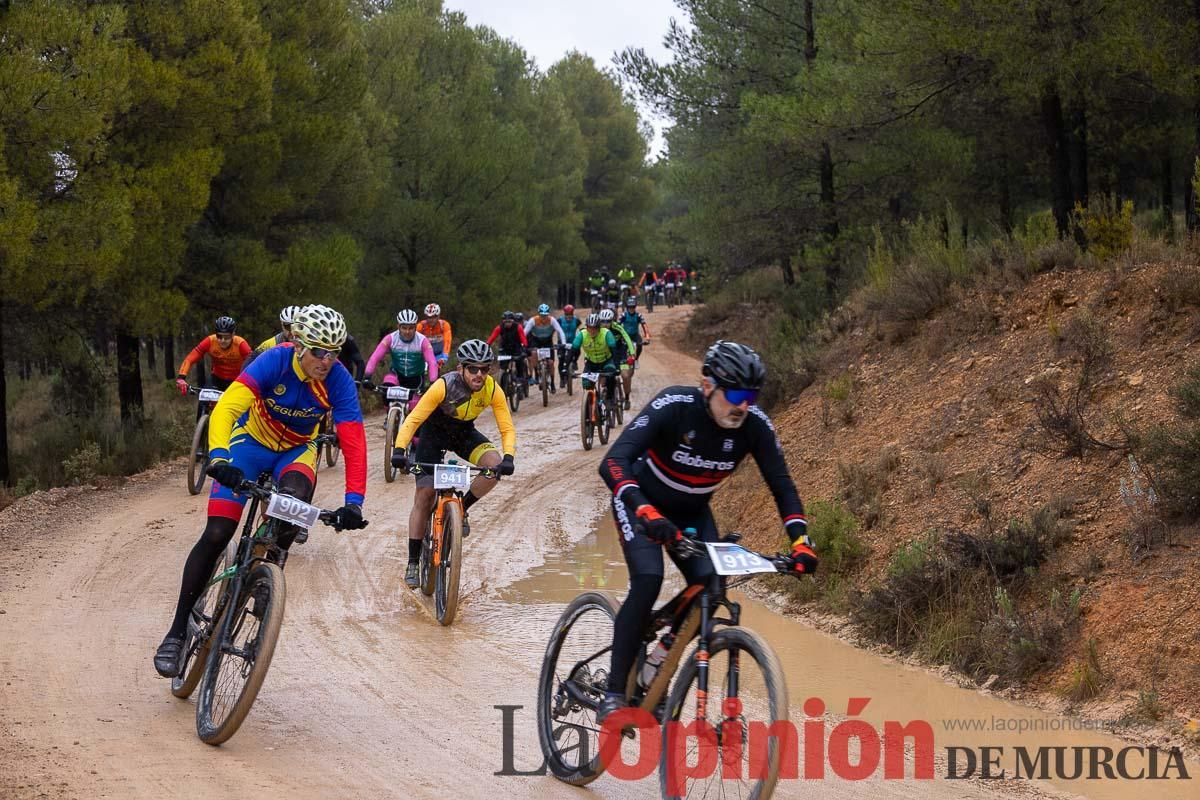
<point>267,344</point>
<point>450,396</point>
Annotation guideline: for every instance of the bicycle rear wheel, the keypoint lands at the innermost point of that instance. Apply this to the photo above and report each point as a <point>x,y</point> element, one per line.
<point>445,594</point>
<point>199,458</point>
<point>241,654</point>
<point>586,429</point>
<point>198,637</point>
<point>394,417</point>
<point>741,664</point>
<point>426,572</point>
<point>332,449</point>
<point>604,423</point>
<point>574,667</point>
<point>544,383</point>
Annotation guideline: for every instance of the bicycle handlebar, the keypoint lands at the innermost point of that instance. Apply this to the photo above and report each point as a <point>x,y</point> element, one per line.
<point>690,546</point>
<point>263,493</point>
<point>422,466</point>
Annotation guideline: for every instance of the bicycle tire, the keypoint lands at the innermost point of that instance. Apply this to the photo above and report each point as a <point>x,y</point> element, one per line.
<point>199,457</point>
<point>390,426</point>
<point>604,424</point>
<point>265,579</point>
<point>195,654</point>
<point>569,381</point>
<point>332,451</point>
<point>544,383</point>
<point>445,595</point>
<point>425,573</point>
<point>747,641</point>
<point>586,430</point>
<point>619,402</point>
<point>604,604</point>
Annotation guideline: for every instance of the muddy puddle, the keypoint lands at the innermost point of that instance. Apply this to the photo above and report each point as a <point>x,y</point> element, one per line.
<point>821,666</point>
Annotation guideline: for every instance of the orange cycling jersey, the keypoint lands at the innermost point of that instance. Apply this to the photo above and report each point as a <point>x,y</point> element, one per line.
<point>226,362</point>
<point>438,335</point>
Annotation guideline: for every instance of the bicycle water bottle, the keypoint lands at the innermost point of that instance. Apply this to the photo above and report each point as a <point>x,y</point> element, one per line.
<point>655,659</point>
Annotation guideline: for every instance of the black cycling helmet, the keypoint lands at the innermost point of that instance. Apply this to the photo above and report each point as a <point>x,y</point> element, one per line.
<point>507,315</point>
<point>631,302</point>
<point>734,366</point>
<point>226,325</point>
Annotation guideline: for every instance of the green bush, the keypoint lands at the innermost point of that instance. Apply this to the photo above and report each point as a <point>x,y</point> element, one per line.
<point>834,532</point>
<point>1107,225</point>
<point>1170,453</point>
<point>862,485</point>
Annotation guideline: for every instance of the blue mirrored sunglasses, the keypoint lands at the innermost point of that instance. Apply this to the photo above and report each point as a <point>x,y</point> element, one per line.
<point>739,396</point>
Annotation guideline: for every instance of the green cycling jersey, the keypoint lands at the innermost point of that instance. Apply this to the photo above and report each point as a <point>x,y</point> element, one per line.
<point>597,349</point>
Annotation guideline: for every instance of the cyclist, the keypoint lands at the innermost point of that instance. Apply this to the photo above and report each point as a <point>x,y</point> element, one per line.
<point>512,341</point>
<point>540,331</point>
<point>284,335</point>
<point>266,420</point>
<point>411,355</point>
<point>597,345</point>
<point>648,283</point>
<point>663,470</point>
<point>675,274</point>
<point>446,416</point>
<point>623,352</point>
<point>351,358</point>
<point>226,351</point>
<point>634,324</point>
<point>612,294</point>
<point>438,332</point>
<point>625,277</point>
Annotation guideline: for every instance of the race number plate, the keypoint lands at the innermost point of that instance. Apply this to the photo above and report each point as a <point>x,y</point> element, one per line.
<point>289,509</point>
<point>594,377</point>
<point>543,352</point>
<point>502,359</point>
<point>210,395</point>
<point>451,476</point>
<point>670,286</point>
<point>398,393</point>
<point>732,559</point>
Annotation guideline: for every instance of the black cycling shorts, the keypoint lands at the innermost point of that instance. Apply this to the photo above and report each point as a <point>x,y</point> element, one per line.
<point>644,556</point>
<point>463,439</point>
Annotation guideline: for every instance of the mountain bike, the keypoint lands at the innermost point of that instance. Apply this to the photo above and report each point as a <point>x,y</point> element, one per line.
<point>595,416</point>
<point>616,408</point>
<point>574,678</point>
<point>566,375</point>
<point>233,626</point>
<point>441,549</point>
<point>397,398</point>
<point>545,372</point>
<point>198,461</point>
<point>670,294</point>
<point>511,382</point>
<point>648,297</point>
<point>327,440</point>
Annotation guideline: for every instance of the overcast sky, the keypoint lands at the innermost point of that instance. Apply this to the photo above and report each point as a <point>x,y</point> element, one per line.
<point>548,30</point>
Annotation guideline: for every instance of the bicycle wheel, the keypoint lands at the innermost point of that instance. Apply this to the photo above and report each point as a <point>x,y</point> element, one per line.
<point>332,449</point>
<point>575,666</point>
<point>238,663</point>
<point>619,402</point>
<point>569,381</point>
<point>586,429</point>
<point>199,459</point>
<point>198,637</point>
<point>604,419</point>
<point>426,573</point>
<point>445,595</point>
<point>762,692</point>
<point>544,383</point>
<point>395,417</point>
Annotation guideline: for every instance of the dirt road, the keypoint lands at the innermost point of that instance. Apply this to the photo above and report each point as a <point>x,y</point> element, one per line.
<point>367,695</point>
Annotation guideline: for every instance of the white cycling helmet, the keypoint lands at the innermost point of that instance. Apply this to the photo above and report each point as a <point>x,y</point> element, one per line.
<point>288,314</point>
<point>319,326</point>
<point>592,321</point>
<point>474,351</point>
<point>433,310</point>
<point>406,316</point>
<point>606,315</point>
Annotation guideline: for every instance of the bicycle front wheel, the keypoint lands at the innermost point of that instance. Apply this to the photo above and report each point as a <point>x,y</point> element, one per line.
<point>572,683</point>
<point>586,429</point>
<point>445,594</point>
<point>741,665</point>
<point>395,417</point>
<point>604,423</point>
<point>544,383</point>
<point>199,459</point>
<point>241,654</point>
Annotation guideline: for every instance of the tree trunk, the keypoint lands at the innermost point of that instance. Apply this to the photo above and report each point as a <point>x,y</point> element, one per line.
<point>785,264</point>
<point>169,363</point>
<point>1006,209</point>
<point>151,365</point>
<point>129,380</point>
<point>1168,197</point>
<point>1060,162</point>
<point>1079,158</point>
<point>1189,191</point>
<point>829,227</point>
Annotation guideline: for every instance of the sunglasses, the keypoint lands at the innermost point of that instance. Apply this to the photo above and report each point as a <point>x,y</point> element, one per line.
<point>739,396</point>
<point>478,369</point>
<point>324,354</point>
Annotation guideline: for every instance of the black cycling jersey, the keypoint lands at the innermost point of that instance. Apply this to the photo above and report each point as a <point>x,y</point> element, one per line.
<point>352,359</point>
<point>674,456</point>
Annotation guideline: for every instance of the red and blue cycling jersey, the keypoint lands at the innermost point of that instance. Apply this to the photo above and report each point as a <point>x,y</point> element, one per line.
<point>279,408</point>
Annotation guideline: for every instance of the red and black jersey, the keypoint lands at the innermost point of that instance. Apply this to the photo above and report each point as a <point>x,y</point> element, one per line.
<point>674,456</point>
